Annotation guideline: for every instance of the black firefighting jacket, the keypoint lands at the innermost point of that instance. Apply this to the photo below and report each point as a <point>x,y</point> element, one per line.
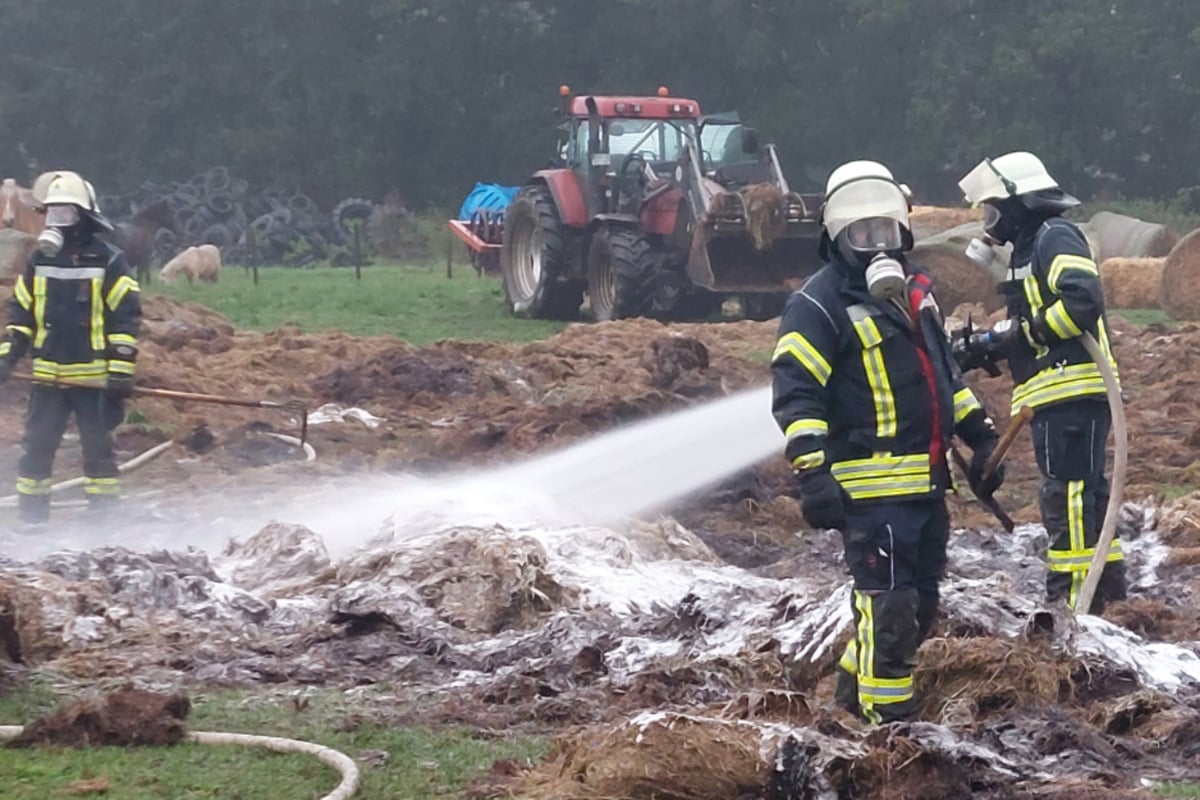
<point>1056,292</point>
<point>79,312</point>
<point>860,387</point>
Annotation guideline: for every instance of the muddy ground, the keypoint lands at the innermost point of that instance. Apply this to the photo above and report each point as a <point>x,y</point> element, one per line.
<point>310,617</point>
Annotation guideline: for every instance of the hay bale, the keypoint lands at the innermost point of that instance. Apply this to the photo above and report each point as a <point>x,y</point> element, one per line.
<point>957,279</point>
<point>930,220</point>
<point>1180,295</point>
<point>1119,236</point>
<point>663,756</point>
<point>1132,282</point>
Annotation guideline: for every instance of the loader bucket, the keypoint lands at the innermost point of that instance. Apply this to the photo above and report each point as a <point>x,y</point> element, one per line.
<point>730,262</point>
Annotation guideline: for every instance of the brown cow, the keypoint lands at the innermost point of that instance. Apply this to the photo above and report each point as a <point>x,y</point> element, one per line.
<point>18,208</point>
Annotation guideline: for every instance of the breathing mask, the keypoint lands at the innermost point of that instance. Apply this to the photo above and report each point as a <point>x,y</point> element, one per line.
<point>869,242</point>
<point>59,219</point>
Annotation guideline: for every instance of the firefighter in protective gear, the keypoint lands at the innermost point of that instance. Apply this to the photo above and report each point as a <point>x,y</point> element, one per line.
<point>868,396</point>
<point>1053,293</point>
<point>76,311</point>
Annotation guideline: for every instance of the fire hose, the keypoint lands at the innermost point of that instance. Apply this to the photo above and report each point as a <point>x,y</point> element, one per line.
<point>327,755</point>
<point>1117,489</point>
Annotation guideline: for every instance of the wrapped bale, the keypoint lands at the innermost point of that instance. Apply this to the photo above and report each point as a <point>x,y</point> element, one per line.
<point>930,220</point>
<point>1119,236</point>
<point>1132,282</point>
<point>1180,292</point>
<point>957,279</point>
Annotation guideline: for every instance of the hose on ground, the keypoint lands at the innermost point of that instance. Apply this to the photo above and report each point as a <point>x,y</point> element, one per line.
<point>327,755</point>
<point>309,453</point>
<point>137,461</point>
<point>1120,459</point>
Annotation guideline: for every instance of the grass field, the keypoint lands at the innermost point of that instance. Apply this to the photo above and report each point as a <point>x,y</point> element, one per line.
<point>418,304</point>
<point>397,763</point>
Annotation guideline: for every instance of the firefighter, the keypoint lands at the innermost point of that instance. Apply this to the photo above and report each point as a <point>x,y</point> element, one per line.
<point>1052,290</point>
<point>868,395</point>
<point>76,311</point>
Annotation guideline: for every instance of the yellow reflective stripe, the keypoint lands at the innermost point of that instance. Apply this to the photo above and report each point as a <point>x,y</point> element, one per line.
<point>1075,532</point>
<point>849,659</point>
<point>802,350</point>
<point>1064,262</point>
<point>5,348</point>
<point>881,465</point>
<point>1033,293</point>
<point>121,287</point>
<point>882,691</point>
<point>883,476</point>
<point>964,404</point>
<point>34,486</point>
<point>122,338</point>
<point>1061,323</point>
<point>866,653</point>
<point>21,291</point>
<point>120,366</point>
<point>806,427</point>
<point>39,310</point>
<point>101,486</point>
<point>1078,560</point>
<point>97,315</point>
<point>21,329</point>
<point>1058,383</point>
<point>89,369</point>
<point>877,377</point>
<point>809,460</point>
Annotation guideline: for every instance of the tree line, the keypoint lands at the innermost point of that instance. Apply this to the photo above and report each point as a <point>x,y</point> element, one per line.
<point>424,97</point>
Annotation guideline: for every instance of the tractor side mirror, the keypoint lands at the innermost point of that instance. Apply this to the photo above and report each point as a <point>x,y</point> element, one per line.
<point>749,141</point>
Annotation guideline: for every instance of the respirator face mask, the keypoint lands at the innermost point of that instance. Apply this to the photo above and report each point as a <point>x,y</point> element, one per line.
<point>983,251</point>
<point>870,240</point>
<point>50,240</point>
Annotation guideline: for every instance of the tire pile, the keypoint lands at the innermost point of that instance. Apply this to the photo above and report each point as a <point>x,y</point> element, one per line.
<point>273,224</point>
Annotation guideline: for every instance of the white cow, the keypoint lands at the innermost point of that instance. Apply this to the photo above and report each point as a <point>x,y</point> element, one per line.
<point>195,263</point>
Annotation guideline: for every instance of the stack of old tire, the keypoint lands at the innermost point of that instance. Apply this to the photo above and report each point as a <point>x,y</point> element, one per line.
<point>272,224</point>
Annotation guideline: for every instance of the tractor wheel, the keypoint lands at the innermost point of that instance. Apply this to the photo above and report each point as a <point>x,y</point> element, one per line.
<point>622,276</point>
<point>535,259</point>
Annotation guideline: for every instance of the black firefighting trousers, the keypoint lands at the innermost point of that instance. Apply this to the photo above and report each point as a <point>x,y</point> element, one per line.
<point>896,553</point>
<point>1069,441</point>
<point>97,416</point>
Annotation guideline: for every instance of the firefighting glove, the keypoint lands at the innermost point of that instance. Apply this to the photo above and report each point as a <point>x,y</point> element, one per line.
<point>984,487</point>
<point>120,385</point>
<point>822,499</point>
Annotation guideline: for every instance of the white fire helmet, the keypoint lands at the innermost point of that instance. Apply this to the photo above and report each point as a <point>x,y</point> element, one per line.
<point>863,190</point>
<point>69,187</point>
<point>1010,174</point>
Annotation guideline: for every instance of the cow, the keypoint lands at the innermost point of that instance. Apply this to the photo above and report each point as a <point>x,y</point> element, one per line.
<point>195,263</point>
<point>19,210</point>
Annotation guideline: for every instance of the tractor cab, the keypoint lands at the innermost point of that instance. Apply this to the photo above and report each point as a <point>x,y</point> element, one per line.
<point>620,147</point>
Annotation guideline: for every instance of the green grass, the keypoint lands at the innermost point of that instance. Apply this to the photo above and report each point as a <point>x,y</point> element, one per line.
<point>1180,790</point>
<point>419,305</point>
<point>1144,316</point>
<point>420,763</point>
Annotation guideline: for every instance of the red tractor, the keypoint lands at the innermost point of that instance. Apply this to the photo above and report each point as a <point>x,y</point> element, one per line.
<point>652,210</point>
